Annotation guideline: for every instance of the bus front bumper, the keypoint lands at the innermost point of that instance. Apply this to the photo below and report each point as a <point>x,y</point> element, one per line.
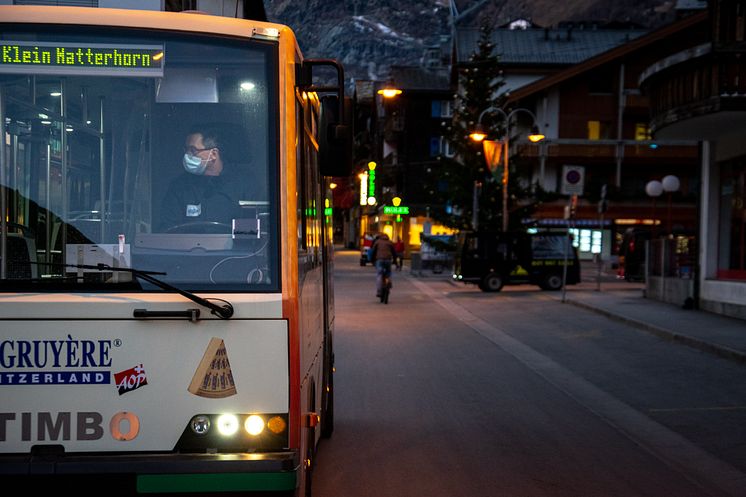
<point>161,473</point>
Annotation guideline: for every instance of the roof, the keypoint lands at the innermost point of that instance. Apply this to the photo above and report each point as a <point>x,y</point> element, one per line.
<point>545,46</point>
<point>691,5</point>
<point>421,78</point>
<point>364,90</point>
<point>602,58</point>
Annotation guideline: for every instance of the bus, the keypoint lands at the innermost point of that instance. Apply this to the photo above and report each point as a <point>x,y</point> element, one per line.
<point>143,354</point>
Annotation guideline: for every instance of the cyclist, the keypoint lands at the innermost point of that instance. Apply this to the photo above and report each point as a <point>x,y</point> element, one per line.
<point>382,254</point>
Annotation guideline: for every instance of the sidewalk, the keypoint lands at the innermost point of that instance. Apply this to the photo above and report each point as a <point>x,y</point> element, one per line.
<point>712,333</point>
<point>625,302</point>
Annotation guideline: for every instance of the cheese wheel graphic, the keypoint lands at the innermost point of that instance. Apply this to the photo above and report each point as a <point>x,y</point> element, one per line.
<point>213,377</point>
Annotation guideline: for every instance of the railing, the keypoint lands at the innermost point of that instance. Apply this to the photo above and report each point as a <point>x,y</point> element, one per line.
<point>694,82</point>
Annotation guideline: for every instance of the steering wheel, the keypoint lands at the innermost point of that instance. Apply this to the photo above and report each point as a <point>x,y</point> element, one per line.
<point>201,228</point>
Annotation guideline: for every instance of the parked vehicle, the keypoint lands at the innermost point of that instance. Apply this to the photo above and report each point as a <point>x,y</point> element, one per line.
<point>492,260</point>
<point>437,251</point>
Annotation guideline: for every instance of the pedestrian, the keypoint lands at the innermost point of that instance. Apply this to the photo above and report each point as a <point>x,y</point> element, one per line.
<point>399,257</point>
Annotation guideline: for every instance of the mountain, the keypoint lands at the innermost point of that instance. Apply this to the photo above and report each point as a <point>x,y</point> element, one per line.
<point>365,36</point>
<point>370,36</point>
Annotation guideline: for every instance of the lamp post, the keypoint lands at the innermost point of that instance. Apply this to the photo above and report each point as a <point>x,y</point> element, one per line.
<point>479,135</point>
<point>390,135</point>
<point>670,185</point>
<point>654,189</point>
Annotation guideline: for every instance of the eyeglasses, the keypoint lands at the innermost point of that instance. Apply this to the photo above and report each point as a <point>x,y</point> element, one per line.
<point>195,150</point>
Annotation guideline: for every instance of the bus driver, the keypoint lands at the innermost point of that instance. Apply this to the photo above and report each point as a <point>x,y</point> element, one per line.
<point>208,190</point>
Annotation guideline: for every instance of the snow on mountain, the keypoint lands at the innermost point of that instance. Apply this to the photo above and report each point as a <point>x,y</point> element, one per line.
<point>368,36</point>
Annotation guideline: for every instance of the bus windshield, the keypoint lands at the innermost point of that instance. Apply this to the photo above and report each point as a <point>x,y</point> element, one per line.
<point>137,149</point>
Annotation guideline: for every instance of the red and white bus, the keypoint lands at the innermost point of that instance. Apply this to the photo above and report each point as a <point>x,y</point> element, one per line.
<point>150,354</point>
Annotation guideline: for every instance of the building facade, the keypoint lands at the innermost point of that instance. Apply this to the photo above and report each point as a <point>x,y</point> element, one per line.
<point>698,92</point>
<point>596,123</point>
<point>399,142</point>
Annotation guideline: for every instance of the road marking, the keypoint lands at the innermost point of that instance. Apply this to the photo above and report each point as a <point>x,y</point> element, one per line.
<point>694,463</point>
<point>713,408</point>
<point>592,333</point>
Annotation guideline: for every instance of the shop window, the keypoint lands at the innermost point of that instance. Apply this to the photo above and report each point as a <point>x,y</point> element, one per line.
<point>732,223</point>
<point>587,240</point>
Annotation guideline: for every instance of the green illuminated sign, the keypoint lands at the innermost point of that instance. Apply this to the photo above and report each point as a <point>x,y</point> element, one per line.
<point>327,211</point>
<point>81,59</point>
<point>390,209</point>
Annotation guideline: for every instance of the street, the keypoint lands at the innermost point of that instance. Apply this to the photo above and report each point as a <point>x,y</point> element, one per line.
<point>451,391</point>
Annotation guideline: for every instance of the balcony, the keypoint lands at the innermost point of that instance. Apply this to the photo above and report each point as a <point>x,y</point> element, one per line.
<point>695,94</point>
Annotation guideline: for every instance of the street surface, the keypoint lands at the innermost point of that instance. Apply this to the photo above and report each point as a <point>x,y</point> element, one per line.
<point>449,391</point>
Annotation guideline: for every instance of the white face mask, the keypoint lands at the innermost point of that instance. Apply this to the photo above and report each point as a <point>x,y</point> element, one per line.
<point>194,164</point>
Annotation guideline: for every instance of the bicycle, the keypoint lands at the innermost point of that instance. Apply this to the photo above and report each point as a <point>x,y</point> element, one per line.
<point>384,273</point>
<point>385,289</point>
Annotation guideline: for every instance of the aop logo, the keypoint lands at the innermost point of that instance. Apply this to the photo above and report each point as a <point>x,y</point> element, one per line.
<point>131,379</point>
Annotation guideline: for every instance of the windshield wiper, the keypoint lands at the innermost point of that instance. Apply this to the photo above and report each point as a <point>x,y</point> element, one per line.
<point>223,312</point>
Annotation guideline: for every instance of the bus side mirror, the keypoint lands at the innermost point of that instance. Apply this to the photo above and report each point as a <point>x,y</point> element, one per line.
<point>335,118</point>
<point>335,138</point>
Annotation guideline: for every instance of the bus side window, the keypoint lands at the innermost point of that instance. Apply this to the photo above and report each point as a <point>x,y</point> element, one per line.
<point>300,153</point>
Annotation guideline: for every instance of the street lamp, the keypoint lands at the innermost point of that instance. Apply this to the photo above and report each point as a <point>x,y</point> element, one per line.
<point>389,90</point>
<point>479,134</point>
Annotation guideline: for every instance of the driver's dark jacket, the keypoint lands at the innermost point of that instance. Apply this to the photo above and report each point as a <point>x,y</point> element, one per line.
<point>193,198</point>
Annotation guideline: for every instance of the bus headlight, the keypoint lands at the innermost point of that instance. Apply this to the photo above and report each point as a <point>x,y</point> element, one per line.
<point>200,424</point>
<point>254,425</point>
<point>227,424</point>
<point>234,432</point>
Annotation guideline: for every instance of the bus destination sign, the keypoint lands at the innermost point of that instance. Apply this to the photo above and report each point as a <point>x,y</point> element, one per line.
<point>78,59</point>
